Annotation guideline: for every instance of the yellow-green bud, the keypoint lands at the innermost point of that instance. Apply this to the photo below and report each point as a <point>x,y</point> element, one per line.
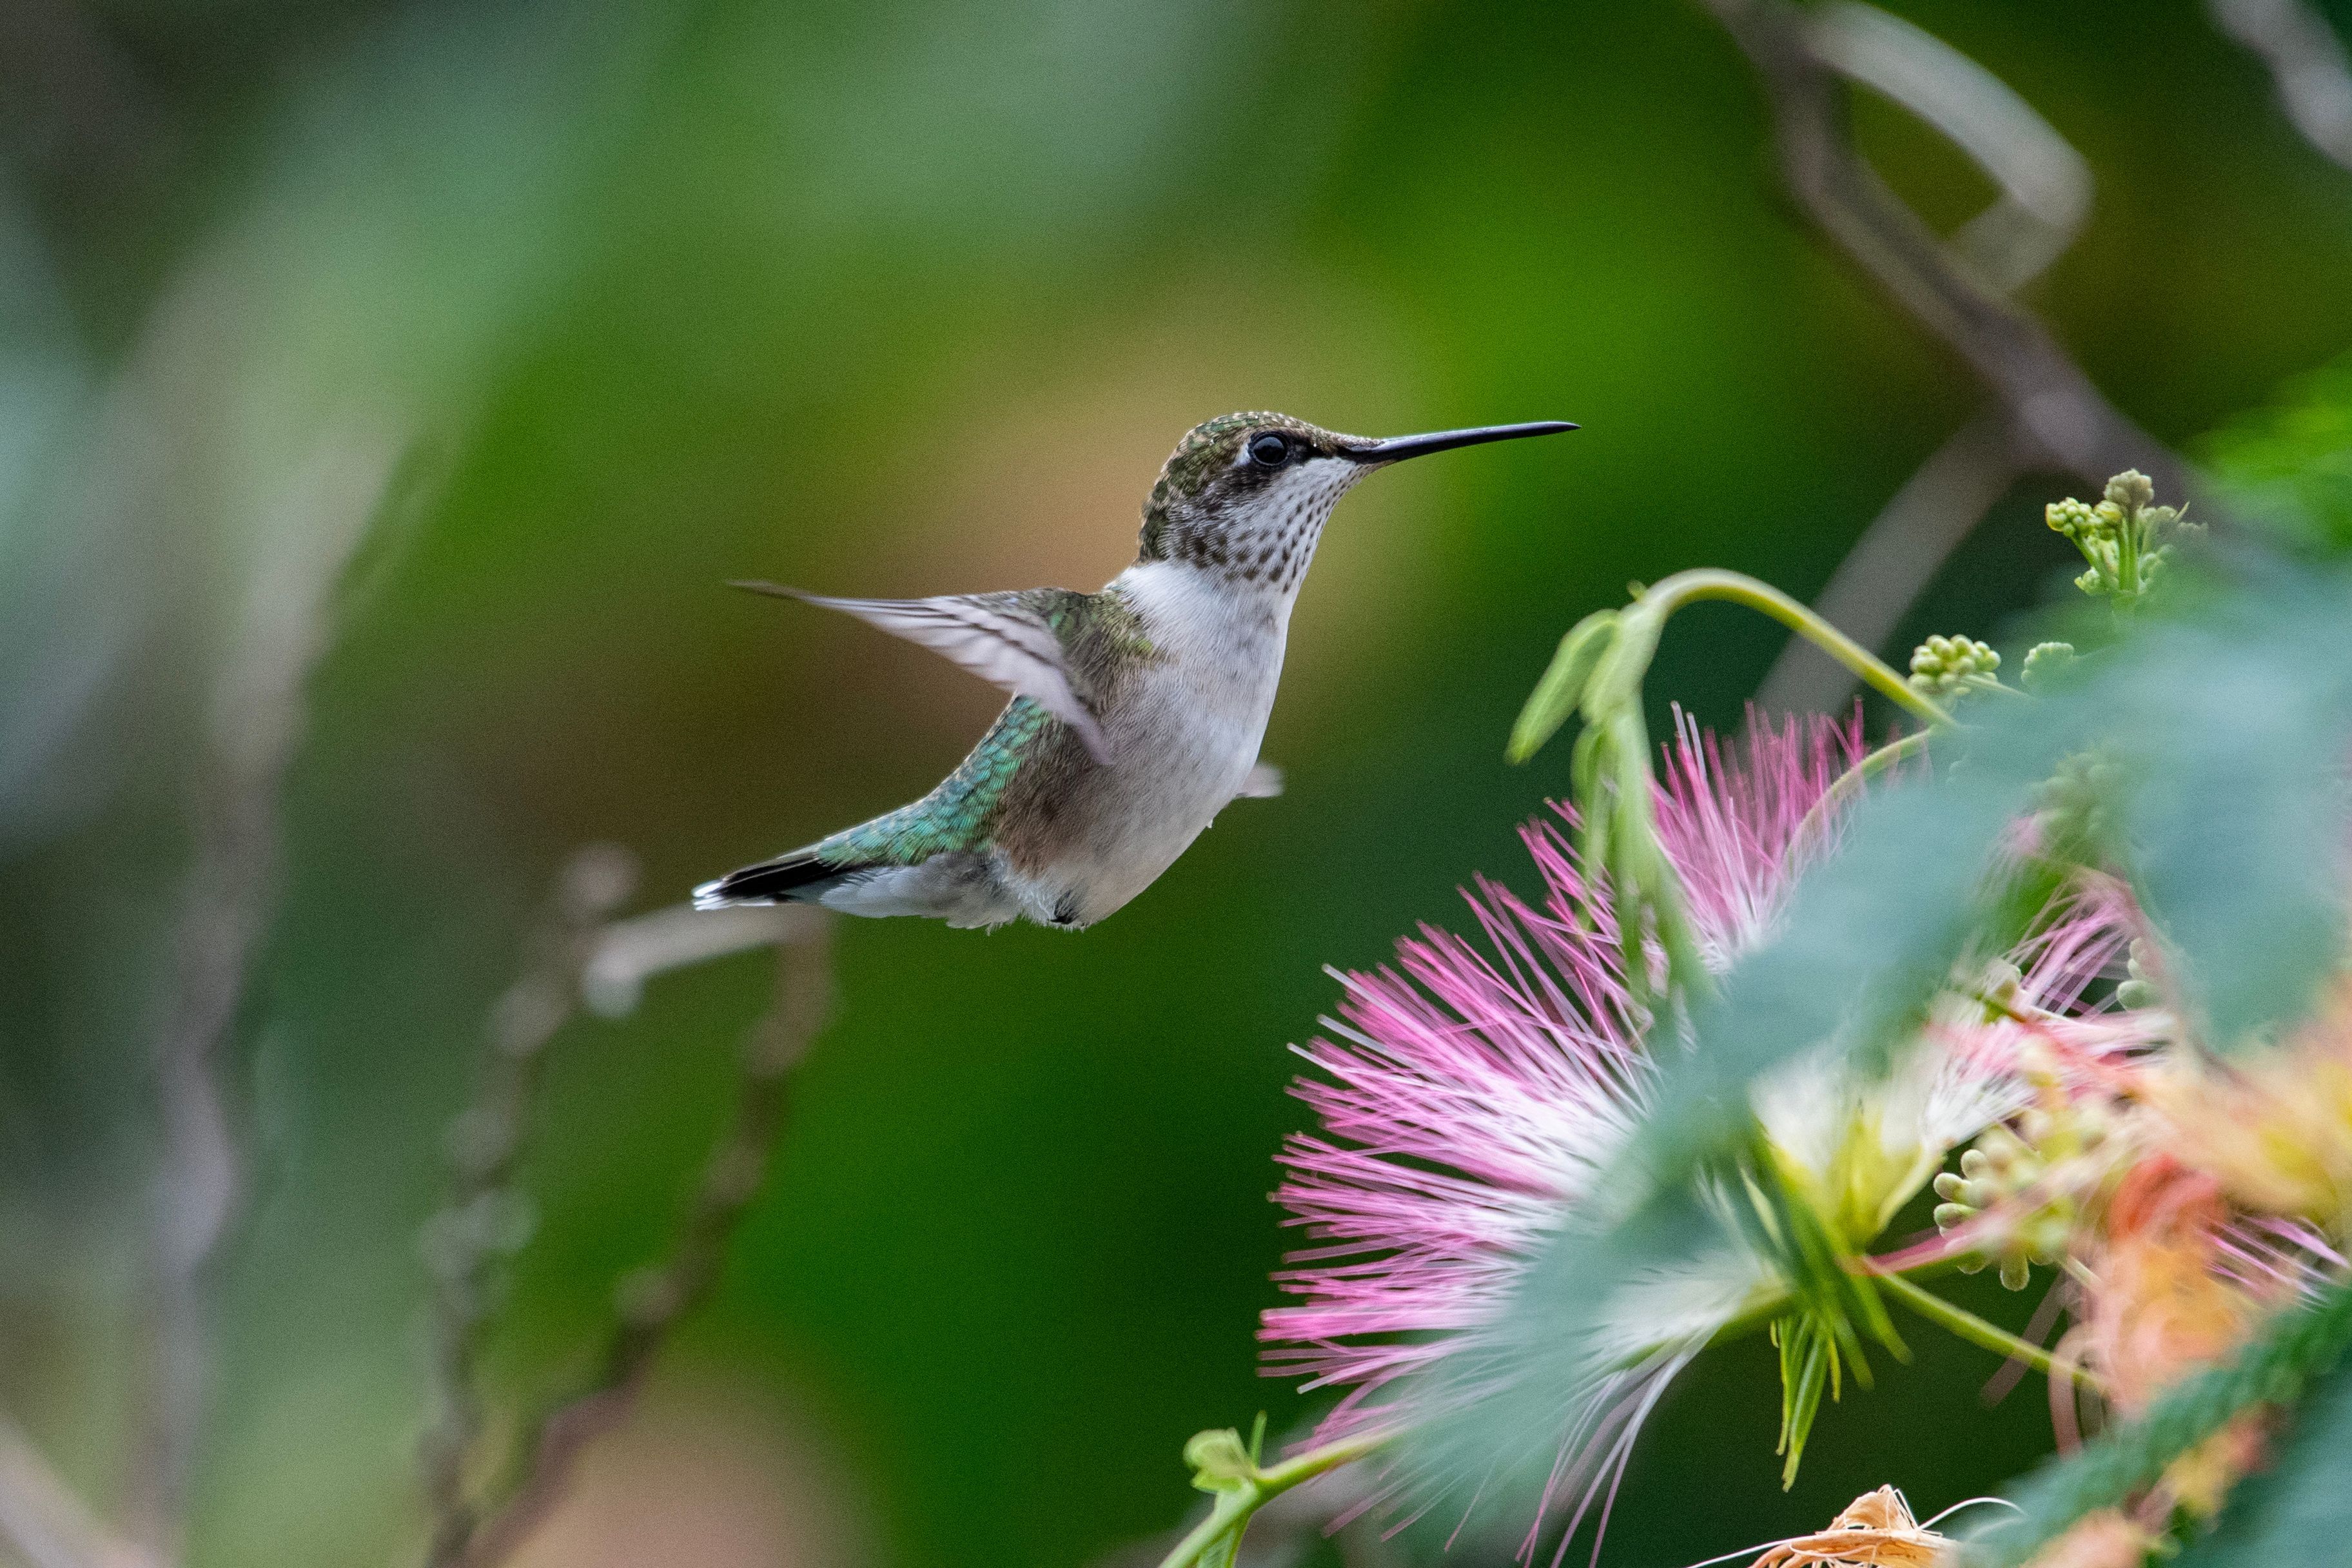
<point>1220,1460</point>
<point>2071,518</point>
<point>1941,664</point>
<point>2045,661</point>
<point>2139,990</point>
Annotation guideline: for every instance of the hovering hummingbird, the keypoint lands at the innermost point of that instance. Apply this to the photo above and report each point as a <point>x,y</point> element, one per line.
<point>1137,711</point>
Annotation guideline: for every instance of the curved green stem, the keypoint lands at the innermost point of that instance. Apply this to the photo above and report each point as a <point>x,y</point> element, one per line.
<point>1712,583</point>
<point>1849,783</point>
<point>1236,1503</point>
<point>1977,1332</point>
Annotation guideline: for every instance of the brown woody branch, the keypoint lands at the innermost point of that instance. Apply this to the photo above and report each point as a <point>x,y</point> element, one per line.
<point>2053,403</point>
<point>2046,412</point>
<point>2307,64</point>
<point>478,1524</point>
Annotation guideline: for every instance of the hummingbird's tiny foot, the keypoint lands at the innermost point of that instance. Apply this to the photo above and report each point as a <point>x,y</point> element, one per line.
<point>1173,665</point>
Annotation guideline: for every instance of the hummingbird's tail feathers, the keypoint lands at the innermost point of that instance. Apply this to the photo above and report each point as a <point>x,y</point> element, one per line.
<point>957,886</point>
<point>797,878</point>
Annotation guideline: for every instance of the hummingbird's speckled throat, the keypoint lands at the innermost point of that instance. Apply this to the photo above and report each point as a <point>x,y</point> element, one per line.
<point>1137,711</point>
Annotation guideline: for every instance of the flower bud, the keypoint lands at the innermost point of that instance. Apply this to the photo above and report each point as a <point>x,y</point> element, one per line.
<point>1943,664</point>
<point>2138,991</point>
<point>1220,1462</point>
<point>2131,489</point>
<point>2044,662</point>
<point>2071,518</point>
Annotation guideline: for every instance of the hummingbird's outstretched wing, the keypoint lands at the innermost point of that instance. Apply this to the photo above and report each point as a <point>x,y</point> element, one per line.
<point>999,638</point>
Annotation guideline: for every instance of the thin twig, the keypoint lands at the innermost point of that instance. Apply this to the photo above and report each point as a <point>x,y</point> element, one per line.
<point>1233,1509</point>
<point>255,725</point>
<point>2044,185</point>
<point>1846,786</point>
<point>2007,345</point>
<point>2045,1317</point>
<point>608,966</point>
<point>44,1521</point>
<point>1897,557</point>
<point>2049,413</point>
<point>1959,1321</point>
<point>2307,62</point>
<point>486,1218</point>
<point>1670,593</point>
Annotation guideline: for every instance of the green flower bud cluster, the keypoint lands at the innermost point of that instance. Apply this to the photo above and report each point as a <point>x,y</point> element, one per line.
<point>2131,491</point>
<point>2139,990</point>
<point>2045,662</point>
<point>2122,537</point>
<point>2006,1165</point>
<point>2076,806</point>
<point>1944,667</point>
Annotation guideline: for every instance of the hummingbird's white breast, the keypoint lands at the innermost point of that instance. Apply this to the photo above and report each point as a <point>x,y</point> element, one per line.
<point>1186,728</point>
<point>1184,737</point>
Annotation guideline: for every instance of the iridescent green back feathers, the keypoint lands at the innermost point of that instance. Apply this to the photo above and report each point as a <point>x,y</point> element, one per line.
<point>958,815</point>
<point>1098,633</point>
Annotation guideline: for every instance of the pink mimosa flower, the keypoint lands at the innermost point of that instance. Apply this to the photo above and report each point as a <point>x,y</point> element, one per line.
<point>1471,1095</point>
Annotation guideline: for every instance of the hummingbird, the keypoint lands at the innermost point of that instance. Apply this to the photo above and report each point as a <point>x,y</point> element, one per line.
<point>1136,712</point>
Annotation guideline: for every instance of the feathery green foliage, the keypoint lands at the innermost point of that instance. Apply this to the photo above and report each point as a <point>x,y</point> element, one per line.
<point>2299,1510</point>
<point>2274,1369</point>
<point>2289,466</point>
<point>2220,734</point>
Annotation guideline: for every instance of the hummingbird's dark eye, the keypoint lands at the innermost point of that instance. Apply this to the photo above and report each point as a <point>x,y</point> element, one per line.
<point>1269,450</point>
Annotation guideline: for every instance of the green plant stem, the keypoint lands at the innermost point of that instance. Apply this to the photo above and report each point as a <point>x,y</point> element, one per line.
<point>1710,583</point>
<point>1236,1504</point>
<point>1977,1332</point>
<point>1238,1501</point>
<point>1849,783</point>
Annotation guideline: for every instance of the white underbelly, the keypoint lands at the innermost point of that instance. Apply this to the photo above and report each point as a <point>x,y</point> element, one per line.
<point>1180,763</point>
<point>1183,738</point>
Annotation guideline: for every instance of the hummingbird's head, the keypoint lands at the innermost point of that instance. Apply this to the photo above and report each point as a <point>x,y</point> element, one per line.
<point>1247,495</point>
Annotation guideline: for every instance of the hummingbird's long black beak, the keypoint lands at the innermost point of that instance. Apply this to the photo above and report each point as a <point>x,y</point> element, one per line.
<point>1396,449</point>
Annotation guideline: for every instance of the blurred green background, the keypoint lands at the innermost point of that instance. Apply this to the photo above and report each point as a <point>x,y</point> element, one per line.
<point>896,301</point>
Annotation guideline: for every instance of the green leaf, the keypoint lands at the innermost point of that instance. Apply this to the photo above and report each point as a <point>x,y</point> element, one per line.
<point>1557,696</point>
<point>2233,735</point>
<point>2274,1368</point>
<point>1809,1364</point>
<point>2300,1509</point>
<point>2289,466</point>
<point>1218,1461</point>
